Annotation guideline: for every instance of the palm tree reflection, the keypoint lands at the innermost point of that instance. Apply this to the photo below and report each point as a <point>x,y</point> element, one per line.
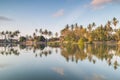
<point>92,53</point>
<point>74,53</point>
<point>6,49</point>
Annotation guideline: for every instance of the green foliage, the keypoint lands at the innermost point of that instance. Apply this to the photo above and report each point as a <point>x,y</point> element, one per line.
<point>81,42</point>
<point>41,38</point>
<point>53,44</point>
<point>92,32</point>
<point>22,39</point>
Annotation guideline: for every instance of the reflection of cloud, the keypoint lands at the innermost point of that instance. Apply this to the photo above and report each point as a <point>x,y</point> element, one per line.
<point>58,70</point>
<point>59,13</point>
<point>96,77</point>
<point>4,65</point>
<point>3,18</point>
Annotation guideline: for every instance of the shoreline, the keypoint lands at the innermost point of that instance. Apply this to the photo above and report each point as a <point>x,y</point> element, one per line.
<point>64,42</point>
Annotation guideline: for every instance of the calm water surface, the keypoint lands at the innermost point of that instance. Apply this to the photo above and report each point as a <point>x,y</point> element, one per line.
<point>67,62</point>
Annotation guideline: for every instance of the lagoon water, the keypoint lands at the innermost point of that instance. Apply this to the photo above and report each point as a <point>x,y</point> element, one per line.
<point>67,62</point>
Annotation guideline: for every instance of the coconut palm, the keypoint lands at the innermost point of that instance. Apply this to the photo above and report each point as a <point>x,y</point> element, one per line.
<point>81,26</point>
<point>76,26</point>
<point>40,31</point>
<point>115,22</point>
<point>49,33</point>
<point>16,33</point>
<point>72,27</point>
<point>56,34</point>
<point>93,24</point>
<point>36,30</point>
<point>34,35</point>
<point>67,26</point>
<point>90,27</point>
<point>3,33</point>
<point>108,24</point>
<point>46,33</point>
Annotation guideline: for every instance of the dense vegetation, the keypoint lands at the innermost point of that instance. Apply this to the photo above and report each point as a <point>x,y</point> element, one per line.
<point>91,33</point>
<point>38,36</point>
<point>70,34</point>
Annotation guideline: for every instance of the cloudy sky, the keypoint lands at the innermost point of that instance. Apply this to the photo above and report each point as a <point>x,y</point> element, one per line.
<point>27,15</point>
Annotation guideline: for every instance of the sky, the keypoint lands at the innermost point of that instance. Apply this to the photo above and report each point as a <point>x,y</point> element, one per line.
<point>28,15</point>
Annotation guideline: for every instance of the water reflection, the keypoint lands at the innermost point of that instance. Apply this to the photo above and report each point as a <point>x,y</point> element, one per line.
<point>72,53</point>
<point>92,52</point>
<point>9,49</point>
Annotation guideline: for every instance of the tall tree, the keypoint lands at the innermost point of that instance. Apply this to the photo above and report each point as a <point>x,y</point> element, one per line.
<point>72,27</point>
<point>115,22</point>
<point>40,31</point>
<point>56,34</point>
<point>49,34</point>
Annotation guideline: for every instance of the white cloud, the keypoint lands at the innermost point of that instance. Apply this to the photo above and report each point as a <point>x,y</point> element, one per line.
<point>59,13</point>
<point>3,18</point>
<point>101,3</point>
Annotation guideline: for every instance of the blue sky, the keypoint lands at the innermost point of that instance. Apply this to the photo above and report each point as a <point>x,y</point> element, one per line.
<point>27,15</point>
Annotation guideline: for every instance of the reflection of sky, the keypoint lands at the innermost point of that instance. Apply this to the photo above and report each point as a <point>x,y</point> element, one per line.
<point>27,66</point>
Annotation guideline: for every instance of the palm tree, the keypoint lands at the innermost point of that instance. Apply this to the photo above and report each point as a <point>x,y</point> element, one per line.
<point>49,33</point>
<point>72,27</point>
<point>108,23</point>
<point>34,35</point>
<point>76,26</point>
<point>9,35</point>
<point>36,30</point>
<point>16,33</point>
<point>93,24</point>
<point>67,26</point>
<point>40,31</point>
<point>6,34</point>
<point>0,33</point>
<point>3,33</point>
<point>81,26</point>
<point>46,33</point>
<point>90,27</point>
<point>115,22</point>
<point>56,34</point>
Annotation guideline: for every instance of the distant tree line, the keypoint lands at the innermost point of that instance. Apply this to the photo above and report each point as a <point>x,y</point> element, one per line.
<point>92,32</point>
